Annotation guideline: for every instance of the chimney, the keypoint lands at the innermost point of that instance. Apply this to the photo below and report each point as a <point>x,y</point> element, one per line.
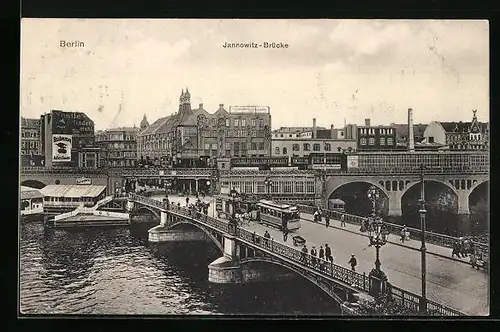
<point>411,138</point>
<point>221,106</point>
<point>314,133</point>
<point>331,132</point>
<point>201,106</point>
<point>367,122</point>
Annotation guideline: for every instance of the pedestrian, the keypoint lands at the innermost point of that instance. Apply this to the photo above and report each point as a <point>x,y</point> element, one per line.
<point>267,236</point>
<point>187,201</point>
<point>303,256</point>
<point>455,250</point>
<point>253,237</point>
<point>328,253</point>
<point>327,220</point>
<point>402,234</point>
<point>473,260</point>
<point>321,252</point>
<point>342,220</point>
<point>313,256</point>
<point>285,234</point>
<point>353,262</point>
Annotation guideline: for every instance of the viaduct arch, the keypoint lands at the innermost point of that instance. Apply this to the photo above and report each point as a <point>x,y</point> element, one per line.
<point>33,184</point>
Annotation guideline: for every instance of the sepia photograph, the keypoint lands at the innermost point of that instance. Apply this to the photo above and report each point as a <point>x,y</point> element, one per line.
<point>235,167</point>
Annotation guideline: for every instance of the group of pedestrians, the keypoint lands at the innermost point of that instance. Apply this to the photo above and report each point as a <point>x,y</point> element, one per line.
<point>317,259</point>
<point>319,214</point>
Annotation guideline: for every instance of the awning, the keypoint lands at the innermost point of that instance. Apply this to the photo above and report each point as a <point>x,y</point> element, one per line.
<point>29,193</point>
<point>72,191</point>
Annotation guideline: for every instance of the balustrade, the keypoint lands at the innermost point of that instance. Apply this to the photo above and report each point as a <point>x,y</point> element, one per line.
<point>430,237</point>
<point>303,260</point>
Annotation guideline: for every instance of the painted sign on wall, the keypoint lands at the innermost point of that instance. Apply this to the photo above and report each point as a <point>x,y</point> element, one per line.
<point>352,162</point>
<point>61,148</point>
<point>84,181</point>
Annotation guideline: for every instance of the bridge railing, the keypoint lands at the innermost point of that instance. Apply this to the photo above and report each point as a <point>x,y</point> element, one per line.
<point>59,170</point>
<point>406,170</point>
<point>415,233</point>
<point>322,267</point>
<point>169,172</point>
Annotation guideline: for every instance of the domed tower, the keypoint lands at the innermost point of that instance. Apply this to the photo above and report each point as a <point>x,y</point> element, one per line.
<point>144,123</point>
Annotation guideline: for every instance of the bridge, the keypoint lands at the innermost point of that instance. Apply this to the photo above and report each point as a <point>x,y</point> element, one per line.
<point>242,247</point>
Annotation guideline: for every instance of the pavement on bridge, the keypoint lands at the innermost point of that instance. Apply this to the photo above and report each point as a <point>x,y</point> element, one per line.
<point>449,282</point>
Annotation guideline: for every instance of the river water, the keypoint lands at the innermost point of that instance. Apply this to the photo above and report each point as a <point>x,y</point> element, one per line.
<point>116,271</point>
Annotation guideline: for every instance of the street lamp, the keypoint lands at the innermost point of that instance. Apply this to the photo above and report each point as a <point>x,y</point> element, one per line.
<point>373,194</point>
<point>233,193</point>
<point>377,234</point>
<point>423,299</point>
<point>268,182</point>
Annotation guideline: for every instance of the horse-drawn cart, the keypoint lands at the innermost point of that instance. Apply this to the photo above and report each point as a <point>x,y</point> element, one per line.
<point>298,240</point>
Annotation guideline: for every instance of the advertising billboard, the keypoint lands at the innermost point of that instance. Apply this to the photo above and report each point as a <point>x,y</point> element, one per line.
<point>352,162</point>
<point>61,147</point>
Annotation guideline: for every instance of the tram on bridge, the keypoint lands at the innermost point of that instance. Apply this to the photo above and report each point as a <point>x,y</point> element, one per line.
<point>279,215</point>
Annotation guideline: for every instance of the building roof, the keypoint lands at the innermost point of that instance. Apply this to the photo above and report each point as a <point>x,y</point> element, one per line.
<point>30,123</point>
<point>450,127</point>
<point>28,193</point>
<point>122,129</point>
<point>402,130</point>
<point>294,130</point>
<point>324,133</point>
<point>72,190</point>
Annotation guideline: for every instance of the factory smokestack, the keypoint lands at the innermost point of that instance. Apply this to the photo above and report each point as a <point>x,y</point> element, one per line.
<point>411,137</point>
<point>314,133</point>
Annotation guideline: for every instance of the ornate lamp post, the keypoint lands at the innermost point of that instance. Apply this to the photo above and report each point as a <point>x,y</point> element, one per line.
<point>233,193</point>
<point>268,182</point>
<point>423,299</point>
<point>377,234</point>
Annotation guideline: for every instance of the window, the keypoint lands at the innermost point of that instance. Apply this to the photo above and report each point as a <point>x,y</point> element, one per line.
<point>236,145</point>
<point>299,187</point>
<point>228,146</point>
<point>243,122</point>
<point>236,122</point>
<point>310,186</point>
<point>285,150</point>
<point>207,146</point>
<point>316,147</point>
<point>253,122</point>
<point>371,141</point>
<point>328,147</point>
<point>382,140</point>
<point>287,187</point>
<point>261,146</point>
<point>390,141</point>
<point>277,150</point>
<point>306,147</point>
<point>243,145</point>
<point>253,146</point>
<point>431,139</point>
<point>214,146</point>
<point>296,147</point>
<point>362,141</point>
<point>227,123</point>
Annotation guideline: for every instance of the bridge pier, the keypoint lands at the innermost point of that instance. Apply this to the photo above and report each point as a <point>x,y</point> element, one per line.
<point>160,233</point>
<point>226,269</point>
<point>463,201</point>
<point>163,218</point>
<point>395,203</point>
<point>130,206</point>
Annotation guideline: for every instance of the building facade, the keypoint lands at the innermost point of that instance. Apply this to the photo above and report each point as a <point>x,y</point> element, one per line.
<point>118,147</point>
<point>194,137</point>
<point>30,143</point>
<point>371,138</point>
<point>67,140</point>
<point>472,135</point>
<point>306,141</point>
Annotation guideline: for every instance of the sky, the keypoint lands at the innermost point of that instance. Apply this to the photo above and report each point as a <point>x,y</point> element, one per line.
<point>333,70</point>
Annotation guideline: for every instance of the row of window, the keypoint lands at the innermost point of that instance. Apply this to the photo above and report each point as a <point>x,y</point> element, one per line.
<point>259,187</point>
<point>468,147</point>
<point>429,160</point>
<point>29,134</point>
<point>372,131</point>
<point>382,141</point>
<point>115,137</point>
<point>32,145</point>
<point>121,146</point>
<point>121,154</point>
<point>240,122</point>
<point>305,147</point>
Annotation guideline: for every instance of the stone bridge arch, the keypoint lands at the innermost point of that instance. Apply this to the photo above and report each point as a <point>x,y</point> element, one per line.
<point>326,286</point>
<point>477,184</point>
<point>207,232</point>
<point>154,211</point>
<point>413,183</point>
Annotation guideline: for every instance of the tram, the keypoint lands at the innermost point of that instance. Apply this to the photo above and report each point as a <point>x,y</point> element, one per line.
<point>278,215</point>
